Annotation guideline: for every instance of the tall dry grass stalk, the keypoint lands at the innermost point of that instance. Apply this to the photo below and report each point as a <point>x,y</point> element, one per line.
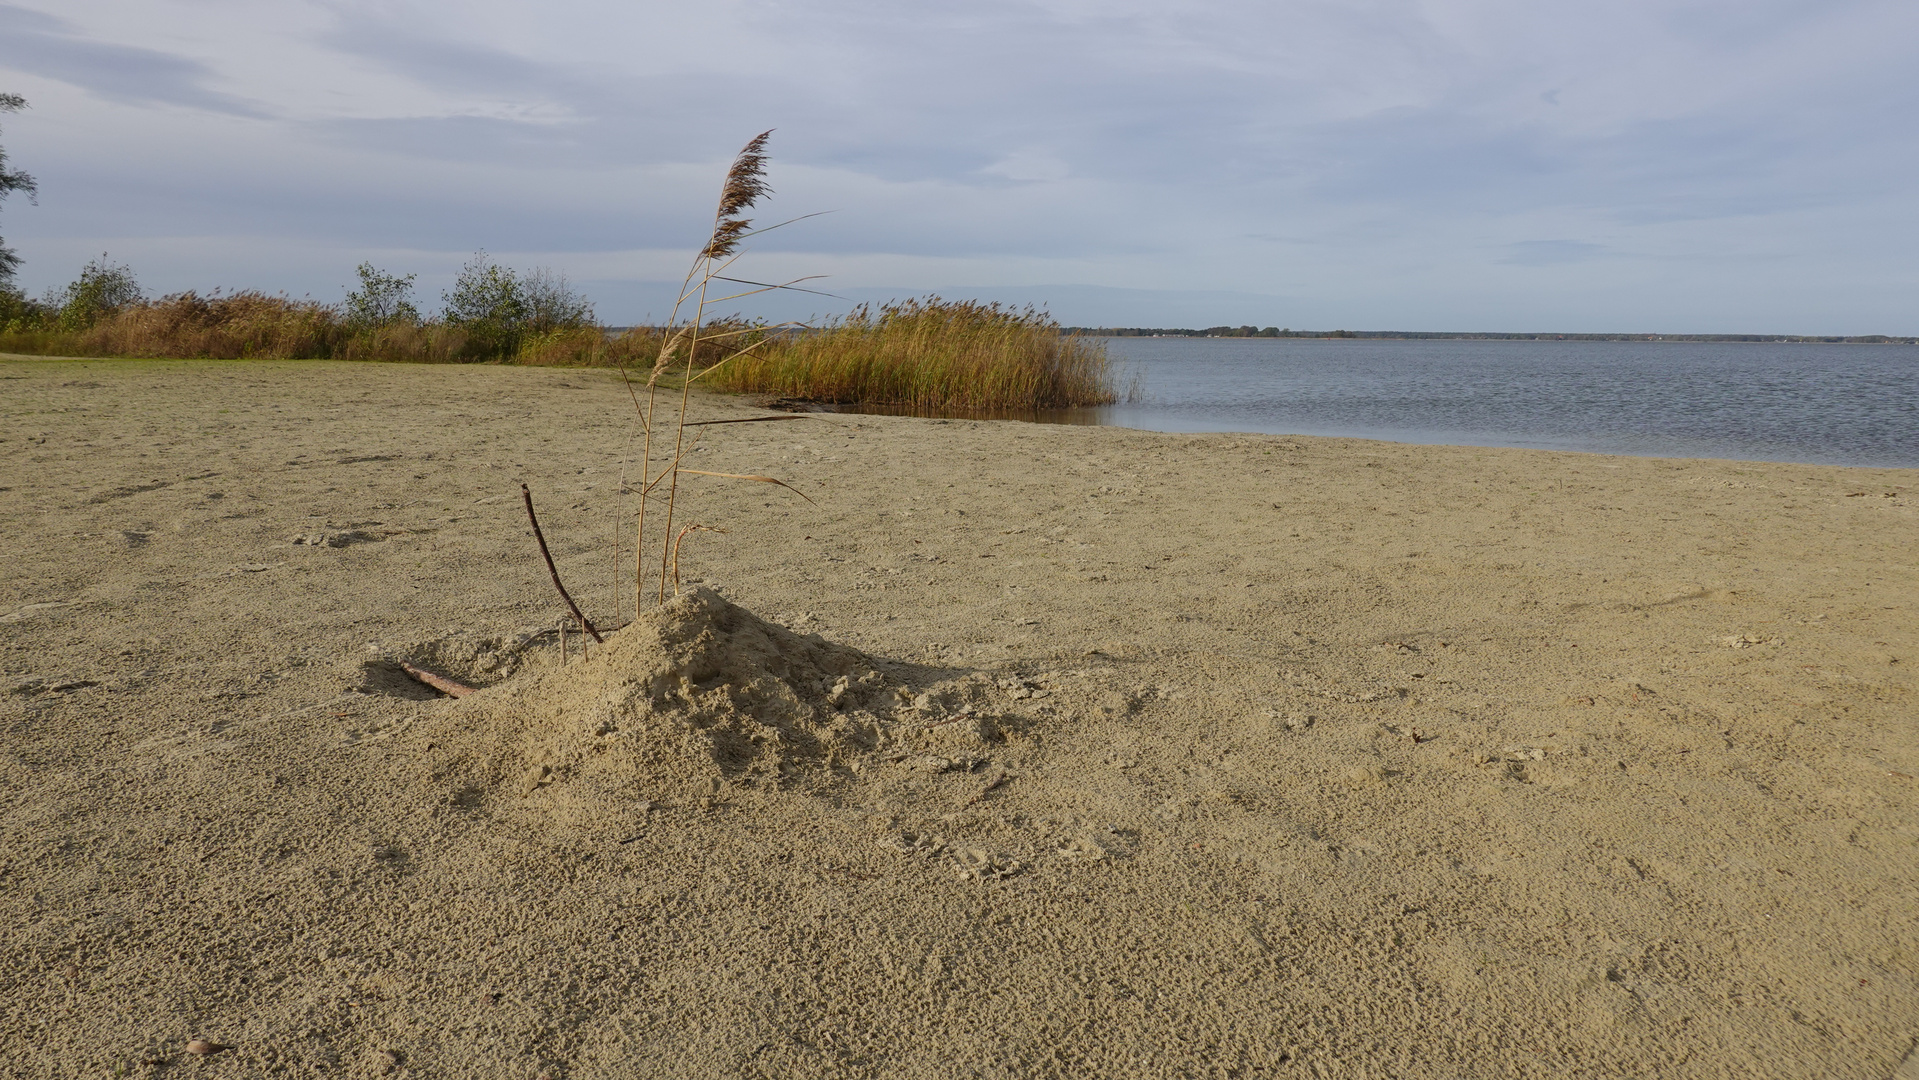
<point>692,348</point>
<point>932,355</point>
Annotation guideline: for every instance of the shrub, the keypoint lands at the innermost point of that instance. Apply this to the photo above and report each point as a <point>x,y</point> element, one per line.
<point>19,314</point>
<point>553,304</point>
<point>382,300</point>
<point>102,289</point>
<point>488,304</point>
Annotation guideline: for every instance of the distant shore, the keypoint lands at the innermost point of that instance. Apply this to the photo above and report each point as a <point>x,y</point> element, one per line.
<point>1442,335</point>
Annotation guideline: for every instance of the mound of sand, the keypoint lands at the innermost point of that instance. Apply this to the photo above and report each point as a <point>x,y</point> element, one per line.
<point>696,693</point>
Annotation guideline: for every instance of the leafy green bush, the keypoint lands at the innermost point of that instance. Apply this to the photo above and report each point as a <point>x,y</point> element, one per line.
<point>488,305</point>
<point>102,289</point>
<point>19,314</point>
<point>382,300</point>
<point>499,310</point>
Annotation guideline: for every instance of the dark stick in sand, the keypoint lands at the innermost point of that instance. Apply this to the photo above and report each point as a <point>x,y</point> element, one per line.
<point>585,623</point>
<point>438,682</point>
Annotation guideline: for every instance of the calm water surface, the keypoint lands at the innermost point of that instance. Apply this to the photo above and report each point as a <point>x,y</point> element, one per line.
<point>1822,404</point>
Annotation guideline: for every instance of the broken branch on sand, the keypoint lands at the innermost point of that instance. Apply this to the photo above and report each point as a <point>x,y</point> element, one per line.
<point>438,682</point>
<point>585,623</point>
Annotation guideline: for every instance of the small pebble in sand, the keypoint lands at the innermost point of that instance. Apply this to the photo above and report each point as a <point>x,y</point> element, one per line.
<point>204,1048</point>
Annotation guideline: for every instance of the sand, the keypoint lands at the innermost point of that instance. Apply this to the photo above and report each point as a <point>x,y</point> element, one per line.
<point>1021,751</point>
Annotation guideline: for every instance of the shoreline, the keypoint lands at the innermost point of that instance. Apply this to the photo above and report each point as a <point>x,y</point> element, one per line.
<point>1311,752</point>
<point>1078,416</point>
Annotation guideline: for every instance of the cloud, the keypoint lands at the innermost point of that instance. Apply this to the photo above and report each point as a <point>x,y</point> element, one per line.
<point>1551,252</point>
<point>40,44</point>
<point>1378,163</point>
<point>445,63</point>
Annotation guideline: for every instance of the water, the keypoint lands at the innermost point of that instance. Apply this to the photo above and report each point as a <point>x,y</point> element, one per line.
<point>1758,401</point>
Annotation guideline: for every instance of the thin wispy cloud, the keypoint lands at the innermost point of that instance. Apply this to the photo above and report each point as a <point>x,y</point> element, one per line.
<point>37,43</point>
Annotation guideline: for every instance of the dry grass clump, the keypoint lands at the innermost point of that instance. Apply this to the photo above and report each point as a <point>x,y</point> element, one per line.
<point>243,325</point>
<point>931,355</point>
<point>407,343</point>
<point>258,326</point>
<point>638,346</point>
<point>584,346</point>
<point>493,313</point>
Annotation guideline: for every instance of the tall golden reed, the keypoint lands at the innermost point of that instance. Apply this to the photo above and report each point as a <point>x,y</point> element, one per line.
<point>931,355</point>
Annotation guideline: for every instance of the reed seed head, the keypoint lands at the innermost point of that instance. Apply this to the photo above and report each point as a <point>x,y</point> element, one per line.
<point>745,185</point>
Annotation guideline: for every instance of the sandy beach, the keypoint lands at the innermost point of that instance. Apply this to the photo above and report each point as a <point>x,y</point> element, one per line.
<point>1117,753</point>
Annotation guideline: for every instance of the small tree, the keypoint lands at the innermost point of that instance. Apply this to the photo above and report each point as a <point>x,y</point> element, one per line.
<point>488,303</point>
<point>382,300</point>
<point>552,303</point>
<point>12,180</point>
<point>102,288</point>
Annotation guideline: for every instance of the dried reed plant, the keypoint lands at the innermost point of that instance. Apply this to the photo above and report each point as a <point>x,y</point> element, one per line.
<point>252,325</point>
<point>241,325</point>
<point>245,325</point>
<point>691,348</point>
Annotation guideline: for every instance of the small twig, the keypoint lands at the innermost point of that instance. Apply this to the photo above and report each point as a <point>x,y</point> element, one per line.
<point>438,682</point>
<point>562,642</point>
<point>585,623</point>
<point>751,419</point>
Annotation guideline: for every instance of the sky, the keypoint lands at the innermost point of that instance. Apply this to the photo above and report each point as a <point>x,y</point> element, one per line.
<point>1516,165</point>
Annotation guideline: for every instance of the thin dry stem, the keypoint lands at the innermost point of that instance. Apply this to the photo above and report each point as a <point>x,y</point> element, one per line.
<point>745,185</point>
<point>679,435</point>
<point>748,476</point>
<point>733,356</point>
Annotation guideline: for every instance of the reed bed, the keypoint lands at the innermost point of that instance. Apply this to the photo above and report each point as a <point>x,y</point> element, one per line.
<point>922,355</point>
<point>260,326</point>
<point>237,326</point>
<point>930,355</point>
<point>636,346</point>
